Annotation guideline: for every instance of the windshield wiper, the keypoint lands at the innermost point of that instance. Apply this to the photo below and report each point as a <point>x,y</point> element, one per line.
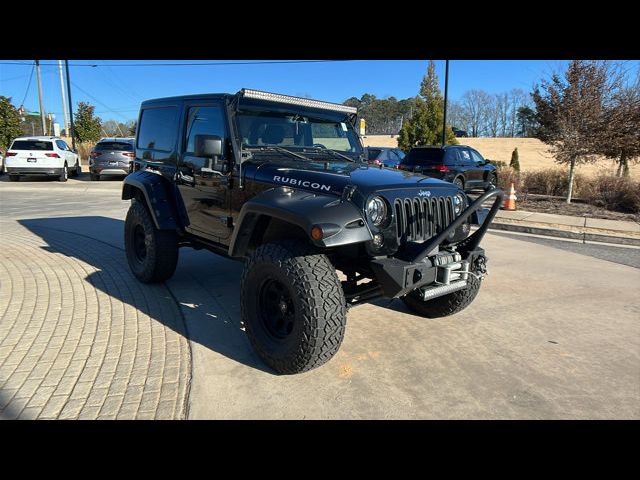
<point>280,149</point>
<point>333,152</point>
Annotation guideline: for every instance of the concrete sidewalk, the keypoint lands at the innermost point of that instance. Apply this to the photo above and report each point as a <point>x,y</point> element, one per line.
<point>565,226</point>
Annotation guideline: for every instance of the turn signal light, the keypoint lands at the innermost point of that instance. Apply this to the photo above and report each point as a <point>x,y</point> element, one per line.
<point>53,155</point>
<point>11,154</point>
<point>441,168</point>
<point>129,154</point>
<point>316,233</point>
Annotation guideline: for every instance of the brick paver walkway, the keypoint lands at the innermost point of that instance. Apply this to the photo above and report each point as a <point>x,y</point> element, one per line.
<point>80,337</point>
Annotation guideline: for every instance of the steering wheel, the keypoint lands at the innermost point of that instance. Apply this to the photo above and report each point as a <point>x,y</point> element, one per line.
<point>319,145</point>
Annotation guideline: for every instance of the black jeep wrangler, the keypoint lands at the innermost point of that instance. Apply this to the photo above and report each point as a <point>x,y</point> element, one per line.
<point>282,184</point>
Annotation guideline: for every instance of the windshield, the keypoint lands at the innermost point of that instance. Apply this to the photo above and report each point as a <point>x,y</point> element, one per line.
<point>419,156</point>
<point>31,145</point>
<point>296,130</point>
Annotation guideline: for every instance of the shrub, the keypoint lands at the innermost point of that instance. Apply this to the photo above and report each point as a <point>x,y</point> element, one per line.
<point>497,163</point>
<point>83,150</point>
<point>615,193</point>
<point>507,176</point>
<point>552,181</point>
<point>515,162</point>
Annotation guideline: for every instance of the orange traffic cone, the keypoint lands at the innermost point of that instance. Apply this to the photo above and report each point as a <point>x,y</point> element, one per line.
<point>510,200</point>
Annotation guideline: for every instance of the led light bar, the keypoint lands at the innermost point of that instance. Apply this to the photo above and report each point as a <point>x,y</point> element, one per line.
<point>305,102</point>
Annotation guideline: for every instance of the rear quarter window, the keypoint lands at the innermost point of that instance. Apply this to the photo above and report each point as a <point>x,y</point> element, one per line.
<point>158,128</point>
<point>423,156</point>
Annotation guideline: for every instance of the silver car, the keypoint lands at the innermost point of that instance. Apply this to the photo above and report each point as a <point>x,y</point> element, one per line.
<point>111,156</point>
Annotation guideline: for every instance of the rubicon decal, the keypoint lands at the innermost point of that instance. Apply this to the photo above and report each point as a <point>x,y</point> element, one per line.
<point>301,183</point>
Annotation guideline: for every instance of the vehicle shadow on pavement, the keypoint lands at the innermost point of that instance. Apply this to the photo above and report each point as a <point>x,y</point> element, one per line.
<point>205,286</point>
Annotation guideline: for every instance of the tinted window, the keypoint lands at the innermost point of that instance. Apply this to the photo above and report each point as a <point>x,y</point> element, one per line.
<point>476,157</point>
<point>452,157</point>
<point>203,121</point>
<point>118,146</point>
<point>61,145</point>
<point>419,156</point>
<point>158,128</point>
<point>31,145</point>
<point>373,153</point>
<point>399,153</point>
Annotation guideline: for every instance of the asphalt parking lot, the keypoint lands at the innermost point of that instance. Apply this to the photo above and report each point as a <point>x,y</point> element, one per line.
<point>554,332</point>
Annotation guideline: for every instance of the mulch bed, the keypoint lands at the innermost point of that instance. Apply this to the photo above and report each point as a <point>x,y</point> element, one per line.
<point>576,208</point>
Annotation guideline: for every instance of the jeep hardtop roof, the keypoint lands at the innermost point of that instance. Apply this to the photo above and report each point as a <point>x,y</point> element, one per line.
<point>258,95</point>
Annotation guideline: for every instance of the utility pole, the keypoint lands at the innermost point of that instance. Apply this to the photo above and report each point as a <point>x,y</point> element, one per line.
<point>446,91</point>
<point>64,100</point>
<point>73,133</point>
<point>42,119</point>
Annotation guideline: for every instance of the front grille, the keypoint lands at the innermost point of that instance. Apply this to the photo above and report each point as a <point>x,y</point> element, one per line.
<point>418,219</point>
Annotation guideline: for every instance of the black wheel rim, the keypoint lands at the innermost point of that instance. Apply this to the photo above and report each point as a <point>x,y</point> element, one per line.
<point>139,244</point>
<point>277,312</point>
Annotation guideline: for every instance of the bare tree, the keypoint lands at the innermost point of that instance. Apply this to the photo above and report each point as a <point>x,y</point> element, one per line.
<point>621,129</point>
<point>570,113</point>
<point>517,99</point>
<point>476,102</point>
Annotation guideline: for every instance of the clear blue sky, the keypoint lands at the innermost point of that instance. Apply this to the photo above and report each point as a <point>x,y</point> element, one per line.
<point>117,91</point>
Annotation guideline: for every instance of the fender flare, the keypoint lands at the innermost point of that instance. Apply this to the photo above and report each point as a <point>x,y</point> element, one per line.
<point>160,197</point>
<point>341,221</point>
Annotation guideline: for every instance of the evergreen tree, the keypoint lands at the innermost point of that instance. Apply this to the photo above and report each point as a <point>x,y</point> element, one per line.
<point>9,123</point>
<point>425,126</point>
<point>87,127</point>
<point>515,161</point>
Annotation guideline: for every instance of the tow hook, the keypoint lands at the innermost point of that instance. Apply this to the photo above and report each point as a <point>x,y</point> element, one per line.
<point>480,266</point>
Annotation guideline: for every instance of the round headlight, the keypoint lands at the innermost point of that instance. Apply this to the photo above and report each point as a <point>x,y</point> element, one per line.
<point>377,211</point>
<point>458,203</point>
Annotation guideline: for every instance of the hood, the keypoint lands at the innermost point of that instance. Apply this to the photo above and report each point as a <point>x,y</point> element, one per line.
<point>332,177</point>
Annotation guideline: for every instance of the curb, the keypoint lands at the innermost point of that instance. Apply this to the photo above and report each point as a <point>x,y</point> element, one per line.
<point>593,237</point>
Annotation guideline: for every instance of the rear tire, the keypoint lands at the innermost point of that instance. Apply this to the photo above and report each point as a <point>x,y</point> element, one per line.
<point>152,254</point>
<point>77,170</point>
<point>64,175</point>
<point>459,182</point>
<point>293,306</point>
<point>14,178</point>
<point>94,177</point>
<point>445,305</point>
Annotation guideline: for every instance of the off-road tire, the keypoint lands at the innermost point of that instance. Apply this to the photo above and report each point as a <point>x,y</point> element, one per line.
<point>445,305</point>
<point>64,175</point>
<point>160,246</point>
<point>319,306</point>
<point>14,178</point>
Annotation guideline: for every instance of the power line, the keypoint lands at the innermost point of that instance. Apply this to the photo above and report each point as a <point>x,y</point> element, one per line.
<point>97,101</point>
<point>186,64</point>
<point>33,66</point>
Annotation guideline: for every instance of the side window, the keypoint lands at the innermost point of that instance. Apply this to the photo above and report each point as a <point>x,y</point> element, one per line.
<point>477,158</point>
<point>203,121</point>
<point>399,153</point>
<point>158,129</point>
<point>61,145</point>
<point>452,157</point>
<point>465,156</point>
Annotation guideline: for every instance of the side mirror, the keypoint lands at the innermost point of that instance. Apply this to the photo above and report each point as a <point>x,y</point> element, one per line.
<point>208,146</point>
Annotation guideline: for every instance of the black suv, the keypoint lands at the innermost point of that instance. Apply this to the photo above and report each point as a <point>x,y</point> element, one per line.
<point>457,164</point>
<point>281,183</point>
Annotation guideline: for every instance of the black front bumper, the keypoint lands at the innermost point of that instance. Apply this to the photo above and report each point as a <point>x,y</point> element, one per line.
<point>399,276</point>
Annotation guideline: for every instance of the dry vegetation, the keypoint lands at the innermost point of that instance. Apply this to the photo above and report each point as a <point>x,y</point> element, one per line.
<point>533,153</point>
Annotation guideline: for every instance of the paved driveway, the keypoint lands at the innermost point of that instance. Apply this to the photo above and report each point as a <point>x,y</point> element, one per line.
<point>553,333</point>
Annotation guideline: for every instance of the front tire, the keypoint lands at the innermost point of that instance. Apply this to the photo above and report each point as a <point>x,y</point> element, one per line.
<point>293,306</point>
<point>447,304</point>
<point>152,254</point>
<point>14,178</point>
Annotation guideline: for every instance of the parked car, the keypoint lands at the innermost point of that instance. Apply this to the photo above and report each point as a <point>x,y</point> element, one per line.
<point>111,156</point>
<point>277,183</point>
<point>459,133</point>
<point>457,164</point>
<point>43,155</point>
<point>386,156</point>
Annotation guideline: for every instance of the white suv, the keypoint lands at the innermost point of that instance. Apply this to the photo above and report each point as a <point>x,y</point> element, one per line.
<point>41,156</point>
